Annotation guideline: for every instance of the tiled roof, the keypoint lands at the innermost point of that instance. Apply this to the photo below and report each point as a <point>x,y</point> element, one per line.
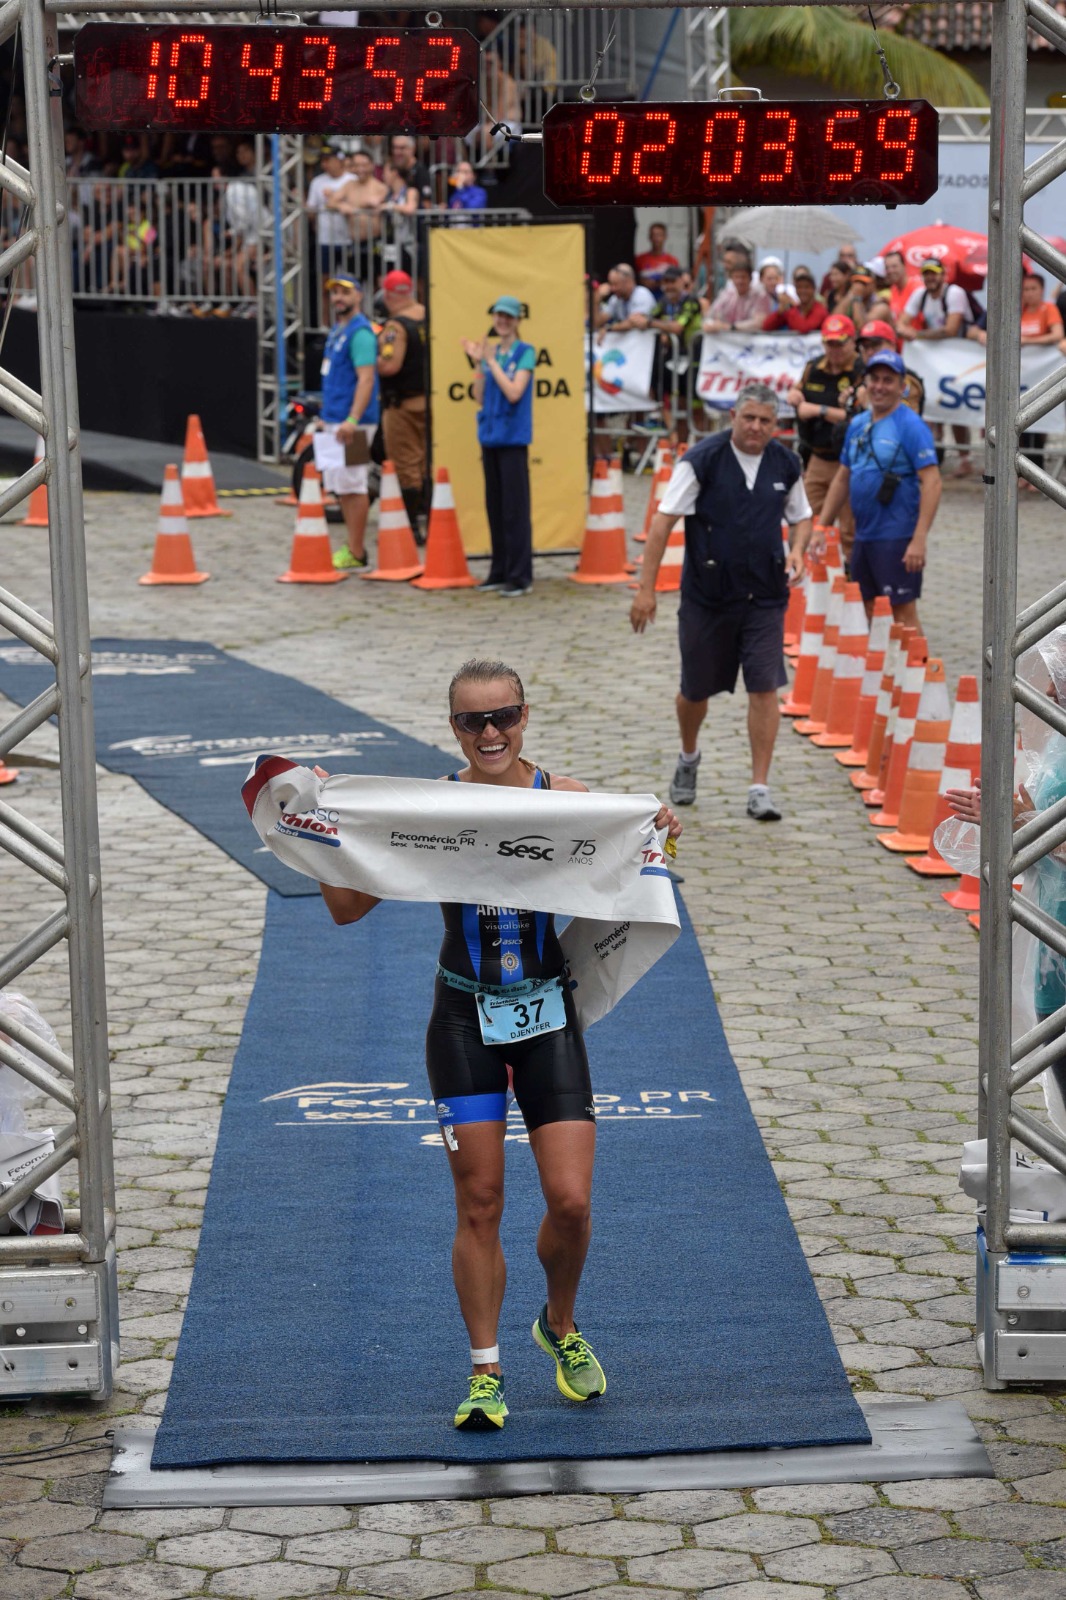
<point>957,27</point>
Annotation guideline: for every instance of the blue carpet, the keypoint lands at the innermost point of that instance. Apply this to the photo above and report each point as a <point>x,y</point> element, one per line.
<point>185,720</point>
<point>322,1324</point>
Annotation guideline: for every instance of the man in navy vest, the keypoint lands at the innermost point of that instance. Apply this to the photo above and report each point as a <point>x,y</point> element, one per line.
<point>734,491</point>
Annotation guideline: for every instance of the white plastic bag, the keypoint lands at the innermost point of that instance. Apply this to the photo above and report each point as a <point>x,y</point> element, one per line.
<point>15,1090</point>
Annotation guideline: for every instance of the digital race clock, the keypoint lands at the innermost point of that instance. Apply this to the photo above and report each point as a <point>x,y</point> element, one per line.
<point>794,152</point>
<point>276,79</point>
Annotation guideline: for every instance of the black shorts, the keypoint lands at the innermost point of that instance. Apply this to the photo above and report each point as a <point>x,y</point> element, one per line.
<point>877,567</point>
<point>469,1077</point>
<point>716,644</point>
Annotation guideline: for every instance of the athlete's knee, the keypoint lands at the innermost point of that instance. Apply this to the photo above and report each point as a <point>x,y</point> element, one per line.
<point>479,1206</point>
<point>569,1208</point>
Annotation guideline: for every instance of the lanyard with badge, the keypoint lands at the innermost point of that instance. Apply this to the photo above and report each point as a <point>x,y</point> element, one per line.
<point>890,479</point>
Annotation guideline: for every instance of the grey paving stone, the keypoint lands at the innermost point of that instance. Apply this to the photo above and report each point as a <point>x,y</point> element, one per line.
<point>480,1544</point>
<point>547,1510</point>
<point>686,1506</point>
<point>887,1526</point>
<point>756,1532</point>
<point>273,1580</point>
<point>624,1591</point>
<point>36,1518</point>
<point>424,1516</point>
<point>960,1558</point>
<point>1013,1460</point>
<point>815,1499</point>
<point>945,1494</point>
<point>147,1580</point>
<point>1052,1554</point>
<point>162,1523</point>
<point>409,1580</point>
<point>828,1563</point>
<point>903,1589</point>
<point>218,1549</point>
<point>1031,1585</point>
<point>552,1575</point>
<point>30,1585</point>
<point>1022,1524</point>
<point>288,1521</point>
<point>619,1538</point>
<point>348,1547</point>
<point>1047,1487</point>
<point>77,1552</point>
<point>692,1569</point>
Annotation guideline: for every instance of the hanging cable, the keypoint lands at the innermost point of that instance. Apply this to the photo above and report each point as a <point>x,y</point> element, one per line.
<point>892,89</point>
<point>587,92</point>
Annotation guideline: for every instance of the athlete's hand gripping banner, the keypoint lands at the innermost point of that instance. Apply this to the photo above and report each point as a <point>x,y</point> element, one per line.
<point>593,857</point>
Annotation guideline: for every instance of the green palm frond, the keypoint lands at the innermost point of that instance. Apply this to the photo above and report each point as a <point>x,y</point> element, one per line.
<point>838,47</point>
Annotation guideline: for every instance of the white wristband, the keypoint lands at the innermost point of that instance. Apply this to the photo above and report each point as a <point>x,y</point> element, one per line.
<point>483,1358</point>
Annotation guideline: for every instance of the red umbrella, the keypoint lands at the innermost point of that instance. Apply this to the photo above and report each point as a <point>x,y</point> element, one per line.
<point>944,243</point>
<point>975,267</point>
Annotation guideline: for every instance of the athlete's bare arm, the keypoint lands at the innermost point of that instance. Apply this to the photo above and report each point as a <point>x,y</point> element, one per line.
<point>347,905</point>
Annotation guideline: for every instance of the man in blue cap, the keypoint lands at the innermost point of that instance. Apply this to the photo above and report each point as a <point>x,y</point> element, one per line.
<point>350,410</point>
<point>888,472</point>
<point>503,389</point>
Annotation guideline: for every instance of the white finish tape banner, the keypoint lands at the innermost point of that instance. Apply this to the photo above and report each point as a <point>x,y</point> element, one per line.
<point>953,372</point>
<point>621,370</point>
<point>730,360</point>
<point>593,857</point>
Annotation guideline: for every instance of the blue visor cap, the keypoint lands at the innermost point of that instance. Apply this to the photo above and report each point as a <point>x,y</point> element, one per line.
<point>887,358</point>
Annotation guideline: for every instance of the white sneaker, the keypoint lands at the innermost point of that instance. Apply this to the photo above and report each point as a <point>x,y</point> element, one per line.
<point>760,807</point>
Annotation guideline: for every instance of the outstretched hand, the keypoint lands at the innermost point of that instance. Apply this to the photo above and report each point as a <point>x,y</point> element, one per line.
<point>665,818</point>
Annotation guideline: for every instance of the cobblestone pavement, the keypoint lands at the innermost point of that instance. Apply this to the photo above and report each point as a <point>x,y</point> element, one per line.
<point>848,991</point>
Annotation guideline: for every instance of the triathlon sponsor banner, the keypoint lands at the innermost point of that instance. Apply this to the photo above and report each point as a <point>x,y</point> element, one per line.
<point>619,369</point>
<point>544,267</point>
<point>730,360</point>
<point>593,857</point>
<point>953,371</point>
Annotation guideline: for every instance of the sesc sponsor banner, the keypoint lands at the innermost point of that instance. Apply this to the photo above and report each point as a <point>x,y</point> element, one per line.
<point>728,361</point>
<point>953,372</point>
<point>621,368</point>
<point>469,268</point>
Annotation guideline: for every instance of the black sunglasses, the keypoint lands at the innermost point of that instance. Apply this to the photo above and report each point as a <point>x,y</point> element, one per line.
<point>477,721</point>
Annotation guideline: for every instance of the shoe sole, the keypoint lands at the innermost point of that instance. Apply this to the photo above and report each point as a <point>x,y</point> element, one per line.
<point>478,1421</point>
<point>563,1386</point>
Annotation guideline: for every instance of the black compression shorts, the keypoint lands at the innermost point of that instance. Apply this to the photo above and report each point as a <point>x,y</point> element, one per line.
<point>468,1078</point>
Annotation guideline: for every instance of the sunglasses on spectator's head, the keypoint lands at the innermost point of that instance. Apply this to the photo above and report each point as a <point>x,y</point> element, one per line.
<point>502,720</point>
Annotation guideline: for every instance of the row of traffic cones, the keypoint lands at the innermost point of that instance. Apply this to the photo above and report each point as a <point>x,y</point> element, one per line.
<point>872,695</point>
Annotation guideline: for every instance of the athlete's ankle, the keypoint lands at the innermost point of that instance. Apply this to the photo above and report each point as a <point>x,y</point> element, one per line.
<point>492,1367</point>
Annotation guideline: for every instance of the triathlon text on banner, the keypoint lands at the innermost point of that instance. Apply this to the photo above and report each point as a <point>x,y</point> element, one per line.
<point>621,371</point>
<point>953,372</point>
<point>730,360</point>
<point>544,267</point>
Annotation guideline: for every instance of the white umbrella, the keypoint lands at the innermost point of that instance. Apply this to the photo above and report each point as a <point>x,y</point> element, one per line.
<point>791,228</point>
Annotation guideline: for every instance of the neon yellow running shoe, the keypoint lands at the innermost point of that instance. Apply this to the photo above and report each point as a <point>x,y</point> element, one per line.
<point>485,1406</point>
<point>344,561</point>
<point>577,1372</point>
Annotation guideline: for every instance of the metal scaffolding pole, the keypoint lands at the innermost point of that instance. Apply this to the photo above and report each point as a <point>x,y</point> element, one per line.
<point>58,1294</point>
<point>281,293</point>
<point>706,51</point>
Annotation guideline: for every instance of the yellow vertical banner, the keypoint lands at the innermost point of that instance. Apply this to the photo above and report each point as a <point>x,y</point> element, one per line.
<point>544,267</point>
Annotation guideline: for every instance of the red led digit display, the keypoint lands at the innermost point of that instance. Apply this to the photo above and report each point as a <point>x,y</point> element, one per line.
<point>797,152</point>
<point>276,79</point>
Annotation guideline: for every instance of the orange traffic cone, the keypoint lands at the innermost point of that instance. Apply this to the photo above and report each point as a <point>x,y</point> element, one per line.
<point>446,566</point>
<point>967,897</point>
<point>673,560</point>
<point>925,763</point>
<point>847,674</point>
<point>603,550</point>
<point>823,677</point>
<point>901,736</point>
<point>311,560</point>
<point>962,766</point>
<point>7,774</point>
<point>197,479</point>
<point>397,551</point>
<point>663,468</point>
<point>797,602</point>
<point>870,776</point>
<point>833,559</point>
<point>173,561</point>
<point>798,701</point>
<point>37,514</point>
<point>871,682</point>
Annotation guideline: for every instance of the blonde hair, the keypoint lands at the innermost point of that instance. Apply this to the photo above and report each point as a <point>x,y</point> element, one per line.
<point>477,671</point>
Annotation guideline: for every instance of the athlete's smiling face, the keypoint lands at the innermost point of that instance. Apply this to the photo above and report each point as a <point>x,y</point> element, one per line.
<point>491,753</point>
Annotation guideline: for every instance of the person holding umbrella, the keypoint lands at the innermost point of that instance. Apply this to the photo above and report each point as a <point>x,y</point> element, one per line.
<point>503,389</point>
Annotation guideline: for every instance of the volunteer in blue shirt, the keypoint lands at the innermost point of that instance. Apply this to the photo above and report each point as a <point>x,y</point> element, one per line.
<point>503,388</point>
<point>889,474</point>
<point>350,410</point>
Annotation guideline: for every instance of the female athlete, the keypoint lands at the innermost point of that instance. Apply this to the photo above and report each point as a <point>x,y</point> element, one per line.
<point>504,951</point>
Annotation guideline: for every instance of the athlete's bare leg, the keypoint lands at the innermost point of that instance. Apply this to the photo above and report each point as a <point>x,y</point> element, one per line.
<point>478,1266</point>
<point>564,1154</point>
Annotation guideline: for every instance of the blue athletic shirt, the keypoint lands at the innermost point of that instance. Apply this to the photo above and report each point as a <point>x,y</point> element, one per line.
<point>498,945</point>
<point>502,422</point>
<point>899,443</point>
<point>350,344</point>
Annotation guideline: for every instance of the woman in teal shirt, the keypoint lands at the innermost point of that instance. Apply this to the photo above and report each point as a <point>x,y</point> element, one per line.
<point>503,389</point>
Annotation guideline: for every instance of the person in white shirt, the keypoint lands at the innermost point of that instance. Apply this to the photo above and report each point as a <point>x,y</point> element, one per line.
<point>940,310</point>
<point>624,303</point>
<point>332,232</point>
<point>743,304</point>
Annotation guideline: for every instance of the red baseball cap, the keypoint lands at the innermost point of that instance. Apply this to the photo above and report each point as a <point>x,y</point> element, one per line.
<point>836,329</point>
<point>395,280</point>
<point>878,330</point>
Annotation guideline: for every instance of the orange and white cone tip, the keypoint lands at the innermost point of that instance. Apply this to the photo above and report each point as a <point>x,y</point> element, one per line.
<point>197,479</point>
<point>173,561</point>
<point>603,549</point>
<point>311,560</point>
<point>397,551</point>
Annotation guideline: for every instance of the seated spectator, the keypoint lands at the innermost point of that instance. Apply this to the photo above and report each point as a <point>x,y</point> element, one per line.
<point>873,338</point>
<point>836,285</point>
<point>652,263</point>
<point>772,278</point>
<point>742,304</point>
<point>466,195</point>
<point>624,303</point>
<point>1041,324</point>
<point>809,312</point>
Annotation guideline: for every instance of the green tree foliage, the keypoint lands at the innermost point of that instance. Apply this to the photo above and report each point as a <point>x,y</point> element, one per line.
<point>837,46</point>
